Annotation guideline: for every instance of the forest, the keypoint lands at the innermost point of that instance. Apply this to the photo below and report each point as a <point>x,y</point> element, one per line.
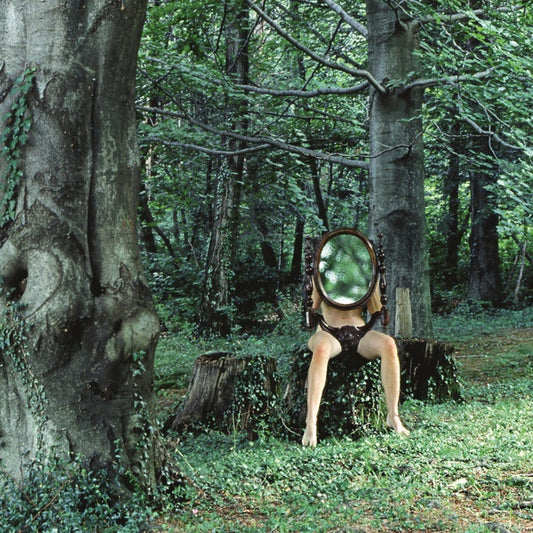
<point>164,163</point>
<point>265,117</point>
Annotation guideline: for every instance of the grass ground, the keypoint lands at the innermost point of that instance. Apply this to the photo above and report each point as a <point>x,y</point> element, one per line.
<point>467,467</point>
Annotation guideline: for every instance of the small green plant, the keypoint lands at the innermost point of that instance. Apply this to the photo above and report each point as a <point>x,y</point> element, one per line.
<point>53,496</point>
<point>255,395</point>
<point>13,137</point>
<point>14,351</point>
<point>143,426</point>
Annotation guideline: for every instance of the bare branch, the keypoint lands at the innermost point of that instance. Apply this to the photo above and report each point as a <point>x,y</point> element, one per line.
<point>319,59</point>
<point>461,16</point>
<point>451,18</point>
<point>450,80</point>
<point>357,26</point>
<point>209,151</point>
<point>305,94</point>
<point>320,115</point>
<point>491,134</point>
<point>275,143</point>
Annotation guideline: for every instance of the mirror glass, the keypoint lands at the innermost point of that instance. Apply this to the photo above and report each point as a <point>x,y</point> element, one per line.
<point>346,268</point>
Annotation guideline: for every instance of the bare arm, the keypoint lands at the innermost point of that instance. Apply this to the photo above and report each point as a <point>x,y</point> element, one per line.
<point>317,299</point>
<point>374,304</point>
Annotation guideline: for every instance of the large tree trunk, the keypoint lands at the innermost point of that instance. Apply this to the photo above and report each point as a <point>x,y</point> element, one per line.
<point>81,381</point>
<point>396,160</point>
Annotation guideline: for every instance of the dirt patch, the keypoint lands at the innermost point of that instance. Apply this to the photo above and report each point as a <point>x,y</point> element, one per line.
<point>512,349</point>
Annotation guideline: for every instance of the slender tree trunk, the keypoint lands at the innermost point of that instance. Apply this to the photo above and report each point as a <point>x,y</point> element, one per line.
<point>146,222</point>
<point>396,161</point>
<point>485,282</point>
<point>237,67</point>
<point>516,294</point>
<point>215,315</point>
<point>319,199</point>
<point>451,189</point>
<point>80,382</point>
<point>297,255</point>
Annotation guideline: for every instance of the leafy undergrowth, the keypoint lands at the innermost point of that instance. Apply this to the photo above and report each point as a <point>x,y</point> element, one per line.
<point>466,467</point>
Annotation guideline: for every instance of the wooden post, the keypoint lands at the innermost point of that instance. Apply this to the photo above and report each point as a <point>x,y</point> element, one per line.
<point>403,324</point>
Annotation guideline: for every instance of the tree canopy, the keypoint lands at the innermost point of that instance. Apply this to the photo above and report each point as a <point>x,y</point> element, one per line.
<point>298,116</point>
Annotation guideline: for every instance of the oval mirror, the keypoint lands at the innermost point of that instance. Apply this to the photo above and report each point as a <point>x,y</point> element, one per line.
<point>345,268</point>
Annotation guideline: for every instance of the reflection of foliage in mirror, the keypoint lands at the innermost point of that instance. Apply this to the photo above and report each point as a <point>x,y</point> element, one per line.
<point>345,268</point>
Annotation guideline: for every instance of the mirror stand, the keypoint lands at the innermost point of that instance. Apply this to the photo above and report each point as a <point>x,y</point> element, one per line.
<point>311,318</point>
<point>382,281</point>
<point>349,336</point>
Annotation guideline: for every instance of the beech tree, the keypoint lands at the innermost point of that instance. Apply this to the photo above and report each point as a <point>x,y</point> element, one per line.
<point>78,325</point>
<point>397,207</point>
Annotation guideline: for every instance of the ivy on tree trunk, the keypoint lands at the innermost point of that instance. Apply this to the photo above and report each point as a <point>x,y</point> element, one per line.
<point>76,380</point>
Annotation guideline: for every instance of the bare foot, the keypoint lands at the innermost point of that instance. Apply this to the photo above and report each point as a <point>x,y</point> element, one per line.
<point>395,423</point>
<point>309,438</point>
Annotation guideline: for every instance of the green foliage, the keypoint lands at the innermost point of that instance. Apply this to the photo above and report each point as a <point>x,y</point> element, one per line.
<point>13,137</point>
<point>53,496</point>
<point>183,74</point>
<point>14,354</point>
<point>176,352</point>
<point>480,67</point>
<point>256,396</point>
<point>473,318</point>
<point>379,482</point>
<point>481,61</point>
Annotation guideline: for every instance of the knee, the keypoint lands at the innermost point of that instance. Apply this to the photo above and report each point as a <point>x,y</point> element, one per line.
<point>388,348</point>
<point>321,353</point>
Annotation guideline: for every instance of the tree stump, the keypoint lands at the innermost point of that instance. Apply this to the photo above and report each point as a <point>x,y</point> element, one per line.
<point>429,371</point>
<point>227,392</point>
<point>352,399</point>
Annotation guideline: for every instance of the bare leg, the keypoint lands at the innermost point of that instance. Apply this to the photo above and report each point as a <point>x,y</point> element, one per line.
<point>323,347</point>
<point>372,346</point>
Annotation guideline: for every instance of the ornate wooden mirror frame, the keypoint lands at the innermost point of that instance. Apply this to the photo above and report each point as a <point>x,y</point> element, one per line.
<point>357,258</point>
